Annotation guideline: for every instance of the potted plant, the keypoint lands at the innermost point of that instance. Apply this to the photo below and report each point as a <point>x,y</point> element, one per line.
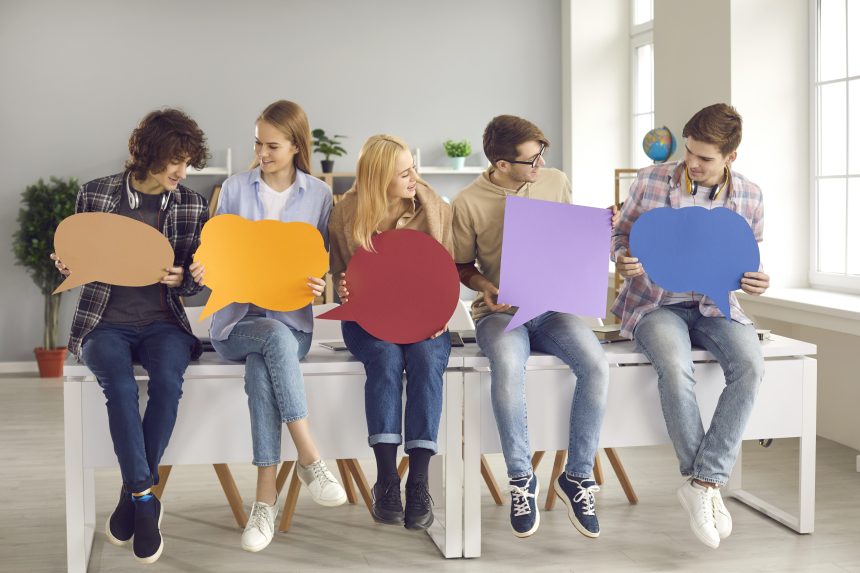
<point>458,151</point>
<point>43,206</point>
<point>328,146</point>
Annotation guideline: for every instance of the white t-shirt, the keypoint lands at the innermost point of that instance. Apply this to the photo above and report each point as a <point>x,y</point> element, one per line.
<point>700,199</point>
<point>274,201</point>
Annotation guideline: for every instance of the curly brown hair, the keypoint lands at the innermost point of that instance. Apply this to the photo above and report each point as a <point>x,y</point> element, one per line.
<point>161,137</point>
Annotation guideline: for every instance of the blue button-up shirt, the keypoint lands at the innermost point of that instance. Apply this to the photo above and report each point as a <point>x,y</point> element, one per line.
<point>310,202</point>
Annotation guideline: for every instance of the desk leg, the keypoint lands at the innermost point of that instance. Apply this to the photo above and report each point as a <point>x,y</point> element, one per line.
<point>448,534</point>
<point>472,464</point>
<point>80,508</point>
<point>805,521</point>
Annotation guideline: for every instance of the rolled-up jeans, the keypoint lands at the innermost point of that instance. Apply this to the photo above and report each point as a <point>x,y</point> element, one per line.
<point>666,337</point>
<point>569,338</point>
<point>384,363</point>
<point>273,378</point>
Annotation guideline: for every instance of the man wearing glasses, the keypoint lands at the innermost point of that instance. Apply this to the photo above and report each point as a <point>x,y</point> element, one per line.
<point>515,148</point>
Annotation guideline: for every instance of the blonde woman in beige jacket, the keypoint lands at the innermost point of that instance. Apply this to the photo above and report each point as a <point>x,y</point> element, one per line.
<point>388,194</point>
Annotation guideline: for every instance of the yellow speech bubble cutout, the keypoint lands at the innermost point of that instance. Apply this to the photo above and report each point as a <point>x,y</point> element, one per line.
<point>112,249</point>
<point>266,263</point>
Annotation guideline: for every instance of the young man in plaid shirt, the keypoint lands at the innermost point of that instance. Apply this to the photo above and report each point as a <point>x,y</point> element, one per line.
<point>114,325</point>
<point>666,324</point>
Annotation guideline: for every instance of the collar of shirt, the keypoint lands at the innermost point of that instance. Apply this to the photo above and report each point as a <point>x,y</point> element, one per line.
<point>299,185</point>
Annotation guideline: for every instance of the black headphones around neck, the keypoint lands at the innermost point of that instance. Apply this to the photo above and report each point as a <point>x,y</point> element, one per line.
<point>133,196</point>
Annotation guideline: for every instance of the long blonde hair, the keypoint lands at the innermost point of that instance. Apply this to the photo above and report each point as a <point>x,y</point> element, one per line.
<point>373,174</point>
<point>291,120</point>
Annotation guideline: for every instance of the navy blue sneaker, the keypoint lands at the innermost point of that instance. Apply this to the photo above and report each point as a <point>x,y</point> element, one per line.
<point>525,517</point>
<point>120,525</point>
<point>578,496</point>
<point>148,543</point>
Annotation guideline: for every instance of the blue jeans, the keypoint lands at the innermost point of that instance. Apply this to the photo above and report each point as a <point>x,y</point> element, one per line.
<point>384,362</point>
<point>666,336</point>
<point>273,378</point>
<point>164,349</point>
<point>562,335</point>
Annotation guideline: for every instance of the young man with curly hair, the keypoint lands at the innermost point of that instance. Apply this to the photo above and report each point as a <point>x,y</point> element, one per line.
<point>114,325</point>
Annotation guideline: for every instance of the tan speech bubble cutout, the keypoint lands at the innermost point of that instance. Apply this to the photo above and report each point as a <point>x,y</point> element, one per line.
<point>112,249</point>
<point>266,263</point>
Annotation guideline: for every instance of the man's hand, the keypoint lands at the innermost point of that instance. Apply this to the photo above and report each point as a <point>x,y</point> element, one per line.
<point>627,266</point>
<point>616,215</point>
<point>317,285</point>
<point>64,270</point>
<point>491,296</point>
<point>173,278</point>
<point>198,273</point>
<point>755,283</point>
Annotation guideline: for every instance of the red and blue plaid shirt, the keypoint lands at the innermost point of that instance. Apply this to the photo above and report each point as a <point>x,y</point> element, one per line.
<point>661,186</point>
<point>187,212</point>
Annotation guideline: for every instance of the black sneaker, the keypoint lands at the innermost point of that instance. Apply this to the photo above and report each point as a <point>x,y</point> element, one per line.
<point>148,543</point>
<point>120,525</point>
<point>578,496</point>
<point>419,506</point>
<point>525,517</point>
<point>387,507</point>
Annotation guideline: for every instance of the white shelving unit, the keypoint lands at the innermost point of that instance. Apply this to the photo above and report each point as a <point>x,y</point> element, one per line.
<point>439,170</point>
<point>225,171</point>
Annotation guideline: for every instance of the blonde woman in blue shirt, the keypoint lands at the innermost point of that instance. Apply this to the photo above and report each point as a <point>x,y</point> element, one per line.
<point>271,343</point>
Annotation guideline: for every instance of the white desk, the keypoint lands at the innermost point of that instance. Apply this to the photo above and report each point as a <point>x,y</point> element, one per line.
<point>785,407</point>
<point>213,427</point>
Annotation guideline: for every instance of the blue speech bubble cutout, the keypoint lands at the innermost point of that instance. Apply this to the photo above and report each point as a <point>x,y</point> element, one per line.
<point>695,249</point>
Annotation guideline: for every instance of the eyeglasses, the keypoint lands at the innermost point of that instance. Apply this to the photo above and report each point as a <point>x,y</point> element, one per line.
<point>533,161</point>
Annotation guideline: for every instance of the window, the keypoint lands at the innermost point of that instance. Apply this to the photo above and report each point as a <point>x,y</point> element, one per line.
<point>642,78</point>
<point>835,257</point>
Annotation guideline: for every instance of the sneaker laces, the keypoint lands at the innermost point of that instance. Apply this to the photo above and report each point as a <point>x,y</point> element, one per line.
<point>585,496</point>
<point>259,518</point>
<point>421,498</point>
<point>390,494</point>
<point>321,473</point>
<point>520,498</point>
<point>707,499</point>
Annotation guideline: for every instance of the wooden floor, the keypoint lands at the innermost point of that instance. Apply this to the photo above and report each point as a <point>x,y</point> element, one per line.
<point>201,536</point>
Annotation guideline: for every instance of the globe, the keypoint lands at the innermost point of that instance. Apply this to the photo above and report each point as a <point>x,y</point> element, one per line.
<point>659,144</point>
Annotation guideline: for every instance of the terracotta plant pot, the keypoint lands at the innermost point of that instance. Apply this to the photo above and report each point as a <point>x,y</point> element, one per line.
<point>50,361</point>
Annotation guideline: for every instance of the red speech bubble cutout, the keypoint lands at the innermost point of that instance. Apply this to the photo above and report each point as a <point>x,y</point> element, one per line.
<point>404,292</point>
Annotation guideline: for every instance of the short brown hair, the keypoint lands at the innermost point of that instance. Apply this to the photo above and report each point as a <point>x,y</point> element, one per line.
<point>505,132</point>
<point>719,124</point>
<point>161,137</point>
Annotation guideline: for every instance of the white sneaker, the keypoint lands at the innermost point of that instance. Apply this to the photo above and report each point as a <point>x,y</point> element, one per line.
<point>721,516</point>
<point>324,488</point>
<point>699,502</point>
<point>261,526</point>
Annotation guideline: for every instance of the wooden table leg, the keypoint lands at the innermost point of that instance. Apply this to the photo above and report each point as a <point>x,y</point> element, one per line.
<point>360,482</point>
<point>491,481</point>
<point>228,484</point>
<point>557,468</point>
<point>403,466</point>
<point>347,481</point>
<point>290,504</point>
<point>163,474</point>
<point>536,459</point>
<point>622,475</point>
<point>598,469</point>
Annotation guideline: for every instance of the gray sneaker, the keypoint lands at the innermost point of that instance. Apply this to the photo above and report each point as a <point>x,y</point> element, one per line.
<point>325,489</point>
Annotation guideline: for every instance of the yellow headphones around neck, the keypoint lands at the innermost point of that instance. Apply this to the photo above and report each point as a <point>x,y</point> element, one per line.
<point>693,187</point>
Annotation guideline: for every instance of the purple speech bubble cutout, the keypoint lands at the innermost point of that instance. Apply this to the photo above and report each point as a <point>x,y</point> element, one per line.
<point>555,256</point>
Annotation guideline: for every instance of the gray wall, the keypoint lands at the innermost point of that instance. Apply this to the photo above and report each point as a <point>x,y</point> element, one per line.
<point>78,76</point>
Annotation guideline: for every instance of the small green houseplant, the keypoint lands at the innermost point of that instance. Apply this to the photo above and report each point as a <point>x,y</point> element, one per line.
<point>458,151</point>
<point>43,207</point>
<point>328,146</point>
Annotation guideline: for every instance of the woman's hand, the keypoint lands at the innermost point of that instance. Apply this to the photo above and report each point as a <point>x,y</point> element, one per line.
<point>64,270</point>
<point>342,291</point>
<point>317,285</point>
<point>198,273</point>
<point>440,333</point>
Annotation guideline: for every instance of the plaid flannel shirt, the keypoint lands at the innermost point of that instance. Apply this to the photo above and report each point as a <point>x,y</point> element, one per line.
<point>661,186</point>
<point>187,212</point>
